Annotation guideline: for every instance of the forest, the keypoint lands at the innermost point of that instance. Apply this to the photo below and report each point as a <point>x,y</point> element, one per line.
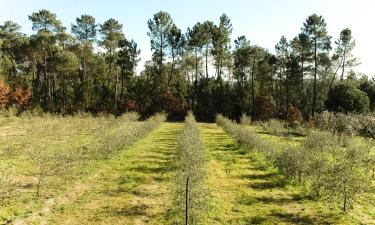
<point>91,67</point>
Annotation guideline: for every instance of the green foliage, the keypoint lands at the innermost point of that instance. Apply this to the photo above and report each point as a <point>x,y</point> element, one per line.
<point>327,166</point>
<point>346,98</point>
<point>8,182</point>
<point>348,124</point>
<point>54,148</point>
<point>346,178</point>
<point>190,175</point>
<point>245,119</point>
<point>367,126</point>
<point>62,72</point>
<point>275,127</point>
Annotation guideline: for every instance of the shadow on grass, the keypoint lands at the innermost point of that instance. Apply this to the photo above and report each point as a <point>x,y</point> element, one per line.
<point>146,169</point>
<point>257,220</point>
<point>281,200</point>
<point>262,176</point>
<point>136,210</point>
<point>274,183</point>
<point>292,218</point>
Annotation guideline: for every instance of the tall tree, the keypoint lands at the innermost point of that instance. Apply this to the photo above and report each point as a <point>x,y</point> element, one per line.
<point>46,24</point>
<point>85,31</point>
<point>301,51</point>
<point>242,62</point>
<point>344,46</point>
<point>12,41</point>
<point>208,27</point>
<point>111,31</point>
<point>316,29</point>
<point>128,58</point>
<point>195,44</point>
<point>159,29</point>
<point>283,56</point>
<point>176,41</point>
<point>221,44</point>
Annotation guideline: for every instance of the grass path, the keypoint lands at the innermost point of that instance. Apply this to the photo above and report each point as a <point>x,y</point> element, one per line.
<point>131,188</point>
<point>246,191</point>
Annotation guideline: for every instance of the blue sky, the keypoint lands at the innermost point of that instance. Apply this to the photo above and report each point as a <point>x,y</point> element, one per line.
<point>263,22</point>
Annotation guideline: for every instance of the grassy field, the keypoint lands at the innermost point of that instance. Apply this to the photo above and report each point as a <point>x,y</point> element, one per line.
<point>134,184</point>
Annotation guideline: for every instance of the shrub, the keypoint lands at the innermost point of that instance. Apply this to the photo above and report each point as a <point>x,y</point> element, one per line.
<point>21,98</point>
<point>131,116</point>
<point>338,123</point>
<point>245,119</point>
<point>294,163</point>
<point>367,126</point>
<point>4,94</point>
<point>244,136</point>
<point>346,98</point>
<point>274,127</point>
<point>294,116</point>
<point>347,178</point>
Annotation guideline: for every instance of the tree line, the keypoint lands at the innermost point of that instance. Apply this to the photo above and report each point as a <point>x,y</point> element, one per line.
<point>93,68</point>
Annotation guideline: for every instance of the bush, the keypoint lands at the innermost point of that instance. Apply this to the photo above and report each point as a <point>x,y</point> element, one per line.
<point>294,116</point>
<point>274,127</point>
<point>338,123</point>
<point>245,119</point>
<point>4,94</point>
<point>346,98</point>
<point>21,98</point>
<point>244,136</point>
<point>347,178</point>
<point>131,116</point>
<point>367,126</point>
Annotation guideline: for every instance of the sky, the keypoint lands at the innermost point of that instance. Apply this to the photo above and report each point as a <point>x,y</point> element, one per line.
<point>263,22</point>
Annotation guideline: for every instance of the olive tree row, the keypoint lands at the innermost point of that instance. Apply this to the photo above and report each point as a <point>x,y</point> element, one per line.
<point>346,124</point>
<point>189,192</point>
<point>53,158</point>
<point>330,167</point>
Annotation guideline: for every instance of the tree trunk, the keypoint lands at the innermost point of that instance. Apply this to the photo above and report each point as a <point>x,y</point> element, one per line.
<point>315,74</point>
<point>187,202</point>
<point>252,90</point>
<point>116,92</point>
<point>343,64</point>
<point>207,61</point>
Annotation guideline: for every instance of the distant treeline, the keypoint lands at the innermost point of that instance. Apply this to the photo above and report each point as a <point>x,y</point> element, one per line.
<point>92,68</point>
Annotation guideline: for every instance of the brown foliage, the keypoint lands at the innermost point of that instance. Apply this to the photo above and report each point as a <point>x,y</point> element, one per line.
<point>171,104</point>
<point>294,116</point>
<point>4,94</point>
<point>132,105</point>
<point>20,97</point>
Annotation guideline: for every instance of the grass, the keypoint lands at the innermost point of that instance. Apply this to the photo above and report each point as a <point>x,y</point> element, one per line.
<point>247,190</point>
<point>72,136</point>
<point>134,185</point>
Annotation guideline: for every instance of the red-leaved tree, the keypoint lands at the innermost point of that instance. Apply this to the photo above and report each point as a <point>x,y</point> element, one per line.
<point>4,94</point>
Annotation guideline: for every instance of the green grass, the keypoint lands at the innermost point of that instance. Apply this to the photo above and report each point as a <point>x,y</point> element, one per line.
<point>134,185</point>
<point>131,188</point>
<point>246,189</point>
